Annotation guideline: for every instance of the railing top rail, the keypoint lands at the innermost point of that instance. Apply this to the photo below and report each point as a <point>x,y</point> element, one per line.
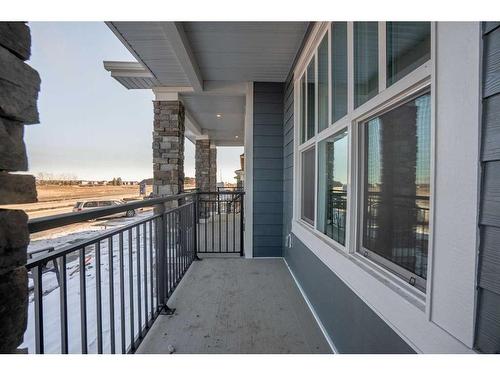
<point>228,192</point>
<point>55,221</point>
<point>54,254</point>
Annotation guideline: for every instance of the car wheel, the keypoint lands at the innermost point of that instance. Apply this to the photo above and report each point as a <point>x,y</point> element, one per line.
<point>130,213</point>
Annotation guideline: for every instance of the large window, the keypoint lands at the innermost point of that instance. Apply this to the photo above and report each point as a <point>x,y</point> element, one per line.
<point>408,47</point>
<point>396,188</point>
<point>389,204</point>
<point>365,61</point>
<point>308,180</point>
<point>332,186</point>
<point>339,70</point>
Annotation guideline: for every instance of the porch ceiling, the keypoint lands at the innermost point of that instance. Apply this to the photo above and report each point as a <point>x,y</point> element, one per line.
<point>197,56</point>
<point>226,130</point>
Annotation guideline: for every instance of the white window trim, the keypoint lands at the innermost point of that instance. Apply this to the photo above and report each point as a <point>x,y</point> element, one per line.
<point>395,102</point>
<point>407,310</point>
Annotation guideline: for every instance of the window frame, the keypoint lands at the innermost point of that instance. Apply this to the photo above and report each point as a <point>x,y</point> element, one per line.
<point>420,283</point>
<point>387,97</point>
<point>305,220</point>
<point>336,130</point>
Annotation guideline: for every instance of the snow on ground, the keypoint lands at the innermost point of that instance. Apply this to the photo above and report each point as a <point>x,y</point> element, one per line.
<point>51,290</point>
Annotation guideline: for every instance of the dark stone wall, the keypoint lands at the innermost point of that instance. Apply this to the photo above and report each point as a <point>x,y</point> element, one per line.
<point>19,87</point>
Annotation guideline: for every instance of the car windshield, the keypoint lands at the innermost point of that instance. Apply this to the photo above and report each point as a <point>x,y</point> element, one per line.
<point>78,204</point>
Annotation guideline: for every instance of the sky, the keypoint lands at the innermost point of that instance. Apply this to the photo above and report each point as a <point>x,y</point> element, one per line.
<point>91,127</point>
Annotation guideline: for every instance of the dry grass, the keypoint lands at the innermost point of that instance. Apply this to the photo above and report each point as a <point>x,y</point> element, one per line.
<point>47,193</point>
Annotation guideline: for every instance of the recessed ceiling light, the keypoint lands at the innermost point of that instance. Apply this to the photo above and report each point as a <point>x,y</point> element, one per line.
<point>236,137</point>
<point>219,115</point>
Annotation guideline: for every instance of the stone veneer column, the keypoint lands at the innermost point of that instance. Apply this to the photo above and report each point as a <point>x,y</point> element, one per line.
<point>168,149</point>
<point>19,86</point>
<point>213,167</point>
<point>202,165</point>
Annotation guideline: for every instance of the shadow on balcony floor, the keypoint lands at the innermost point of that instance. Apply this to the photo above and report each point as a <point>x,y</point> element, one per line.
<point>237,306</point>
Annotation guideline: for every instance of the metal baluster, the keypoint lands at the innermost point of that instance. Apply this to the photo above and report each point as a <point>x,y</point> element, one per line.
<point>39,339</point>
<point>122,293</point>
<point>176,244</point>
<point>138,263</point>
<point>63,305</point>
<point>83,301</point>
<point>111,296</point>
<point>220,222</point>
<point>158,243</point>
<point>98,295</point>
<point>180,242</point>
<point>205,219</point>
<point>212,203</point>
<point>234,222</point>
<point>242,214</point>
<point>145,275</point>
<point>176,249</point>
<point>184,240</point>
<point>131,286</point>
<point>151,270</point>
<point>195,228</point>
<point>169,261</point>
<point>227,219</point>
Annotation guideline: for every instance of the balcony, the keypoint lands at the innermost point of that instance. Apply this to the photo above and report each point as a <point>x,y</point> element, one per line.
<point>236,305</point>
<point>172,282</point>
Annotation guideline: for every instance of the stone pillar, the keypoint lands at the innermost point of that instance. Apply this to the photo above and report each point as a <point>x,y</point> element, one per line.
<point>202,165</point>
<point>19,86</point>
<point>213,168</point>
<point>168,149</point>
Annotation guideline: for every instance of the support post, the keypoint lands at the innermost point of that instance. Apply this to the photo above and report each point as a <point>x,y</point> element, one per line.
<point>168,149</point>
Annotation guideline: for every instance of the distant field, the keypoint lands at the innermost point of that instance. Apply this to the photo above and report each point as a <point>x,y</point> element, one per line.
<point>60,199</point>
<point>48,193</point>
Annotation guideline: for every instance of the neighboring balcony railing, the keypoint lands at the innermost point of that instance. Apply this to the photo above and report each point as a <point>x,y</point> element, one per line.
<point>112,286</point>
<point>221,223</point>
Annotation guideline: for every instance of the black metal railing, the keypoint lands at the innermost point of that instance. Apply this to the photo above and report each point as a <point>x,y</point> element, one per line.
<point>102,294</point>
<point>221,223</point>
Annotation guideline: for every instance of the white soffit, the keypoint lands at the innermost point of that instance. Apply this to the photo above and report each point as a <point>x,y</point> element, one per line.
<point>148,43</point>
<point>188,53</point>
<point>214,59</point>
<point>225,130</point>
<point>245,51</point>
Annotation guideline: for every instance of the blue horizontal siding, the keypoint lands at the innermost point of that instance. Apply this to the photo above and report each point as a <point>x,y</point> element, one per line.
<point>267,169</point>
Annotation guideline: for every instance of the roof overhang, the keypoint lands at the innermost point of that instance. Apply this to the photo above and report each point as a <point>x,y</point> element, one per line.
<point>208,65</point>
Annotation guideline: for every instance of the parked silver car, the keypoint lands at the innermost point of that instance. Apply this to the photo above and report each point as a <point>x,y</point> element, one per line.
<point>89,205</point>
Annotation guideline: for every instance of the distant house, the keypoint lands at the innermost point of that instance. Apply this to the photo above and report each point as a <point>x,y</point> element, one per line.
<point>240,173</point>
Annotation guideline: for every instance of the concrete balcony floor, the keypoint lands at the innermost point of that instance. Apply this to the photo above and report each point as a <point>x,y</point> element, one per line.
<point>236,305</point>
